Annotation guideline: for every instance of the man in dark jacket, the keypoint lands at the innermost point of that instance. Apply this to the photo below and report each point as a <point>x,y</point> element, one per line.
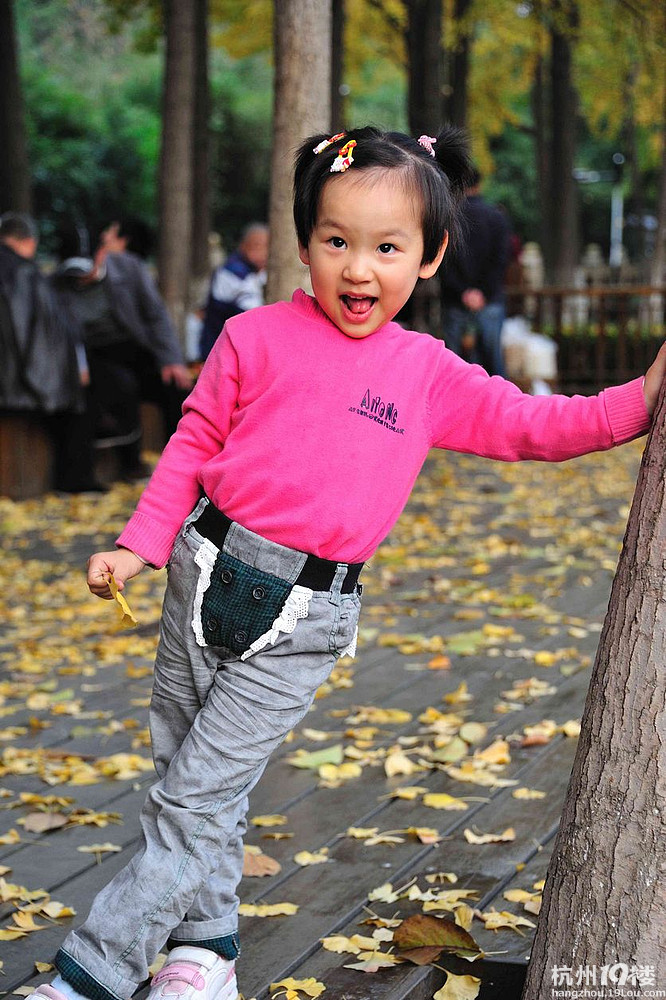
<point>472,281</point>
<point>40,372</point>
<point>131,347</point>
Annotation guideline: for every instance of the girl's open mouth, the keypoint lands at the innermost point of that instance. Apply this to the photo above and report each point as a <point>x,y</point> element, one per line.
<point>358,305</point>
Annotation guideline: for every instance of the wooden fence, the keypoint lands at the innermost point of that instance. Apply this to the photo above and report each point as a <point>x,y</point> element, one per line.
<point>604,334</point>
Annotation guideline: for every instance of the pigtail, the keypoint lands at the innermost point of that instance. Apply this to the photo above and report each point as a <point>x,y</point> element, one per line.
<point>452,155</point>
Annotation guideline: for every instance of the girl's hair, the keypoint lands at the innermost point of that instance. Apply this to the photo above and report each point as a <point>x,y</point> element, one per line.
<point>439,182</point>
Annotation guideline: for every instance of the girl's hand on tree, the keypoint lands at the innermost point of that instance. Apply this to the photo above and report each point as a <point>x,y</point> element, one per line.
<point>122,563</point>
<point>653,379</point>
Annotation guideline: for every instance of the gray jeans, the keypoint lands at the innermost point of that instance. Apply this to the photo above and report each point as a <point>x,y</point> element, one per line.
<point>215,720</point>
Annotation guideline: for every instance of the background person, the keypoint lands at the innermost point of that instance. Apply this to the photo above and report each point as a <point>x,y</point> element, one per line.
<point>237,285</point>
<point>472,282</point>
<point>40,370</point>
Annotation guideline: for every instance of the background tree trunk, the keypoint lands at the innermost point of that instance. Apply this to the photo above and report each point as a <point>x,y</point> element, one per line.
<point>337,65</point>
<point>543,164</point>
<point>604,900</point>
<point>301,106</point>
<point>200,262</point>
<point>175,172</point>
<point>458,70</point>
<point>564,116</point>
<point>15,188</point>
<point>658,263</point>
<point>424,54</point>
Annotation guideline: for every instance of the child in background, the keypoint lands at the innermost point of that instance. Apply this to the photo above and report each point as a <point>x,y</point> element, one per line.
<point>295,455</point>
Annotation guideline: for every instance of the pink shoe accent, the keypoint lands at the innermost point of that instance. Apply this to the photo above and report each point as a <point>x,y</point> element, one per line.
<point>186,974</point>
<point>49,992</point>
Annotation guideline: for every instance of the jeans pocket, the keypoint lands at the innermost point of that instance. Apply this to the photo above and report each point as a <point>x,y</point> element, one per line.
<point>236,604</point>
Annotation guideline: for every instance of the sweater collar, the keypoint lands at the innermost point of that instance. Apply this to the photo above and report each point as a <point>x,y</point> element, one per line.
<point>308,306</point>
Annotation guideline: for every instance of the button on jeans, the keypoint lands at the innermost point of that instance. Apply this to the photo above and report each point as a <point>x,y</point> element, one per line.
<point>215,720</point>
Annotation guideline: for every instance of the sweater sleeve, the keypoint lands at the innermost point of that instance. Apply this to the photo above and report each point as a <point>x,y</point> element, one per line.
<point>174,487</point>
<point>482,415</point>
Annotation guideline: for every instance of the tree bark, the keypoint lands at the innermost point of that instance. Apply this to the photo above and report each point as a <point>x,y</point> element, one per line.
<point>337,65</point>
<point>175,172</point>
<point>458,72</point>
<point>658,263</point>
<point>200,262</point>
<point>15,187</point>
<point>564,113</point>
<point>543,165</point>
<point>424,53</point>
<point>301,107</point>
<point>604,900</point>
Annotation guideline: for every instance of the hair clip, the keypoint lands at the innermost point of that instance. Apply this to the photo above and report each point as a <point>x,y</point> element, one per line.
<point>427,142</point>
<point>344,159</point>
<point>327,142</point>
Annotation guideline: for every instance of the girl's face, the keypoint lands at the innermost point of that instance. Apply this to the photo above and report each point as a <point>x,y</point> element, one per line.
<point>366,249</point>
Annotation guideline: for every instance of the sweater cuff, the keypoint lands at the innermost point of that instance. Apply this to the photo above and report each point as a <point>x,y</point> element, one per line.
<point>626,410</point>
<point>147,539</point>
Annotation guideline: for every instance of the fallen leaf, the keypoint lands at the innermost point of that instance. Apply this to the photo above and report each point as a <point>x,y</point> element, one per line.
<point>373,961</point>
<point>267,909</point>
<point>527,793</point>
<point>421,931</point>
<point>314,760</point>
<point>497,921</point>
<point>292,987</point>
<point>459,696</point>
<point>274,819</point>
<point>256,864</point>
<point>305,858</point>
<point>490,838</point>
<point>458,988</point>
<point>440,800</point>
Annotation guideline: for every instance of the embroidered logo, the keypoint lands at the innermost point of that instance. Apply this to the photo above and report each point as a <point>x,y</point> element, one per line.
<point>375,408</point>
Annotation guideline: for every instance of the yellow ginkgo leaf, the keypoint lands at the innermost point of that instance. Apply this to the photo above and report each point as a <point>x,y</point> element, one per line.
<point>459,988</point>
<point>340,944</point>
<point>274,819</point>
<point>490,838</point>
<point>304,858</point>
<point>440,800</point>
<point>459,696</point>
<point>527,793</point>
<point>361,832</point>
<point>496,753</point>
<point>268,909</point>
<point>407,792</point>
<point>495,921</point>
<point>128,620</point>
<point>292,987</point>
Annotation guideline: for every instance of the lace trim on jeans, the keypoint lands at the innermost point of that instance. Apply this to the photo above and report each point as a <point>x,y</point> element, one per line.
<point>350,650</point>
<point>296,606</point>
<point>205,559</point>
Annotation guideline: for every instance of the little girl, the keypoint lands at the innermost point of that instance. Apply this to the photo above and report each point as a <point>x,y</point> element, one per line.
<point>295,455</point>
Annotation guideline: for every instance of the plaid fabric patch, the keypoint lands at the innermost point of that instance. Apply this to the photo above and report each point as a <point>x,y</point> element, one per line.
<point>226,947</point>
<point>82,981</point>
<point>240,604</point>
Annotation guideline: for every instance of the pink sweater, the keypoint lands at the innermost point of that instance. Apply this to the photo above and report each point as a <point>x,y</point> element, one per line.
<point>314,440</point>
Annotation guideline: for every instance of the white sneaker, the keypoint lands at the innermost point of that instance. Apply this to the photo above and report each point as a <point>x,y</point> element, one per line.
<point>48,993</point>
<point>191,973</point>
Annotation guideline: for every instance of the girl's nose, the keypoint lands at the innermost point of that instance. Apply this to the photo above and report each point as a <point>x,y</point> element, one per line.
<point>357,267</point>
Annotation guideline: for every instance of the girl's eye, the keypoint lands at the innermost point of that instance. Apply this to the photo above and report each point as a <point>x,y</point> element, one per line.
<point>386,248</point>
<point>337,242</point>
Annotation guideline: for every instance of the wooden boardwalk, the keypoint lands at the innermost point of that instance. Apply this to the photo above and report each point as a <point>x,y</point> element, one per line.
<point>505,570</point>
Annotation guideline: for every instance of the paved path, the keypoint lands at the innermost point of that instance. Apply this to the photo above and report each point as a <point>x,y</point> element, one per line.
<point>483,607</point>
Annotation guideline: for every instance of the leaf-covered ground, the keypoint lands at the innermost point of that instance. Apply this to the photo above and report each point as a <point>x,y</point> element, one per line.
<point>482,613</point>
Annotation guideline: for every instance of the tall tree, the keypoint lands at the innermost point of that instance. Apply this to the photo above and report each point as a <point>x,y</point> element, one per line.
<point>200,152</point>
<point>457,61</point>
<point>424,51</point>
<point>175,169</point>
<point>301,106</point>
<point>564,113</point>
<point>604,900</point>
<point>15,191</point>
<point>337,65</point>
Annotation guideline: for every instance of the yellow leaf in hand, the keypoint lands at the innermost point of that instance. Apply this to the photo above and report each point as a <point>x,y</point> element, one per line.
<point>128,620</point>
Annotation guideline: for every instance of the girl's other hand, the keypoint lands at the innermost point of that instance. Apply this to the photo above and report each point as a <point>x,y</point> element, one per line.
<point>653,379</point>
<point>122,563</point>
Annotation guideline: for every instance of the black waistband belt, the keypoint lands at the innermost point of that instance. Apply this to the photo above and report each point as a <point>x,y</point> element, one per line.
<point>317,573</point>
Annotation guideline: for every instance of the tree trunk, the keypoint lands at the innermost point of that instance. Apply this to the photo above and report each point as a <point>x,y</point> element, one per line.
<point>424,54</point>
<point>604,903</point>
<point>200,262</point>
<point>543,165</point>
<point>175,174</point>
<point>15,190</point>
<point>458,70</point>
<point>337,65</point>
<point>658,263</point>
<point>564,113</point>
<point>301,107</point>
